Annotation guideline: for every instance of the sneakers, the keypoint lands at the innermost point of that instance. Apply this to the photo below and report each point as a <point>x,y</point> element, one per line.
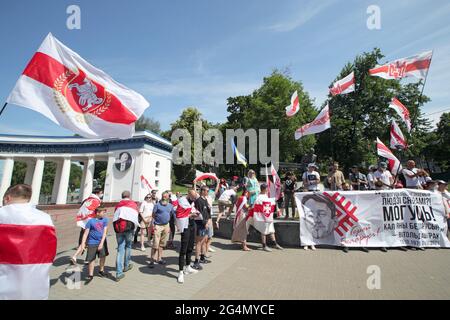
<point>313,248</point>
<point>130,266</point>
<point>197,266</point>
<point>162,262</point>
<point>142,248</point>
<point>365,249</point>
<point>277,246</point>
<point>305,248</point>
<point>119,277</point>
<point>190,270</point>
<point>151,264</point>
<point>211,250</point>
<point>88,279</point>
<point>345,249</point>
<point>205,261</point>
<point>102,274</point>
<point>267,249</point>
<point>180,277</point>
<point>383,249</point>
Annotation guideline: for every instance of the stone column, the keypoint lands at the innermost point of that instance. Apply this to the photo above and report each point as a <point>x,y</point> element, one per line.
<point>61,197</point>
<point>88,178</point>
<point>37,180</point>
<point>7,176</point>
<point>56,181</point>
<point>109,179</point>
<point>29,173</point>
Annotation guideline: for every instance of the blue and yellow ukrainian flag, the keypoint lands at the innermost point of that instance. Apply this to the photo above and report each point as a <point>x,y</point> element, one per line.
<point>239,156</point>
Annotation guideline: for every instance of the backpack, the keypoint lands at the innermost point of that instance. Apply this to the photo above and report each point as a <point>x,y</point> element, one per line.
<point>121,225</point>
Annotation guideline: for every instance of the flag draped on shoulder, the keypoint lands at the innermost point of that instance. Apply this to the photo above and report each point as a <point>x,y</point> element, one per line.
<point>402,111</point>
<point>416,66</point>
<point>343,86</point>
<point>183,211</point>
<point>127,210</point>
<point>398,141</point>
<point>87,210</point>
<point>319,124</point>
<point>27,250</point>
<point>65,88</point>
<point>261,214</point>
<point>293,108</point>
<point>239,156</point>
<point>383,151</point>
<point>275,184</point>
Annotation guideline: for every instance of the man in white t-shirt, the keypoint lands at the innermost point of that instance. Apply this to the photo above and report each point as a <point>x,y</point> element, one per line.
<point>226,200</point>
<point>371,177</point>
<point>145,212</point>
<point>311,178</point>
<point>411,175</point>
<point>383,178</point>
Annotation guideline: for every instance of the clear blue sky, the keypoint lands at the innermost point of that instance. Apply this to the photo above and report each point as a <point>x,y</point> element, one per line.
<point>182,53</point>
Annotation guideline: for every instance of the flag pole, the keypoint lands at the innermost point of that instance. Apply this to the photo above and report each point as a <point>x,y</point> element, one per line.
<point>4,106</point>
<point>421,92</point>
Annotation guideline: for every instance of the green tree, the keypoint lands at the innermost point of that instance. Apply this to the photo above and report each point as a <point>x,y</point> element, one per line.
<point>358,118</point>
<point>265,109</point>
<point>147,123</point>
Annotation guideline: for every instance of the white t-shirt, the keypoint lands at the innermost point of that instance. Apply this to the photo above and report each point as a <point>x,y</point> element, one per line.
<point>146,208</point>
<point>384,177</point>
<point>313,179</point>
<point>371,180</point>
<point>411,182</point>
<point>227,194</point>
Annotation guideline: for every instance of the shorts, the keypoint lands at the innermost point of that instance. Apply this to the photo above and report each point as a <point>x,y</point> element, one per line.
<point>224,204</point>
<point>92,251</point>
<point>161,235</point>
<point>144,225</point>
<point>201,230</point>
<point>210,232</point>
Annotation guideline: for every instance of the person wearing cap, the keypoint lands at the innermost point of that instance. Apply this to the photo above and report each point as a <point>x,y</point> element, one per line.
<point>358,180</point>
<point>311,178</point>
<point>383,178</point>
<point>411,174</point>
<point>442,189</point>
<point>252,187</point>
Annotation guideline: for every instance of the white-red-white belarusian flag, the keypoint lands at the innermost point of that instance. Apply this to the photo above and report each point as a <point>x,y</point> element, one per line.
<point>398,141</point>
<point>145,184</point>
<point>27,250</point>
<point>183,211</point>
<point>87,210</point>
<point>293,108</point>
<point>127,210</point>
<point>261,215</point>
<point>343,86</point>
<point>415,66</point>
<point>319,124</point>
<point>62,86</point>
<point>402,111</point>
<point>275,186</point>
<point>383,151</point>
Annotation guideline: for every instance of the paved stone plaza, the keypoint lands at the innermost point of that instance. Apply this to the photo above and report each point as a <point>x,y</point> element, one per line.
<point>289,274</point>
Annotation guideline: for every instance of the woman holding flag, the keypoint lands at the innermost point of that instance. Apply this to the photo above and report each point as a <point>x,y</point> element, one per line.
<point>240,228</point>
<point>253,187</point>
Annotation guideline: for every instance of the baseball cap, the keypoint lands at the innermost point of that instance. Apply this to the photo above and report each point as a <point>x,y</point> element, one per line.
<point>382,165</point>
<point>442,182</point>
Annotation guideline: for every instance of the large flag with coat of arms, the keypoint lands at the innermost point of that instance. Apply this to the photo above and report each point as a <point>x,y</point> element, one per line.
<point>65,88</point>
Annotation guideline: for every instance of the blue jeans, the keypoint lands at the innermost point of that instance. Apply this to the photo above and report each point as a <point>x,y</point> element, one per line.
<point>124,242</point>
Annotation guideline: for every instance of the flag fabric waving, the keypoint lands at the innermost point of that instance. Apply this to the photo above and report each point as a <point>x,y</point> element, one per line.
<point>261,215</point>
<point>383,151</point>
<point>402,111</point>
<point>319,124</point>
<point>27,250</point>
<point>293,108</point>
<point>398,141</point>
<point>184,209</point>
<point>343,86</point>
<point>202,176</point>
<point>239,156</point>
<point>416,66</point>
<point>145,184</point>
<point>65,88</point>
<point>275,190</point>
